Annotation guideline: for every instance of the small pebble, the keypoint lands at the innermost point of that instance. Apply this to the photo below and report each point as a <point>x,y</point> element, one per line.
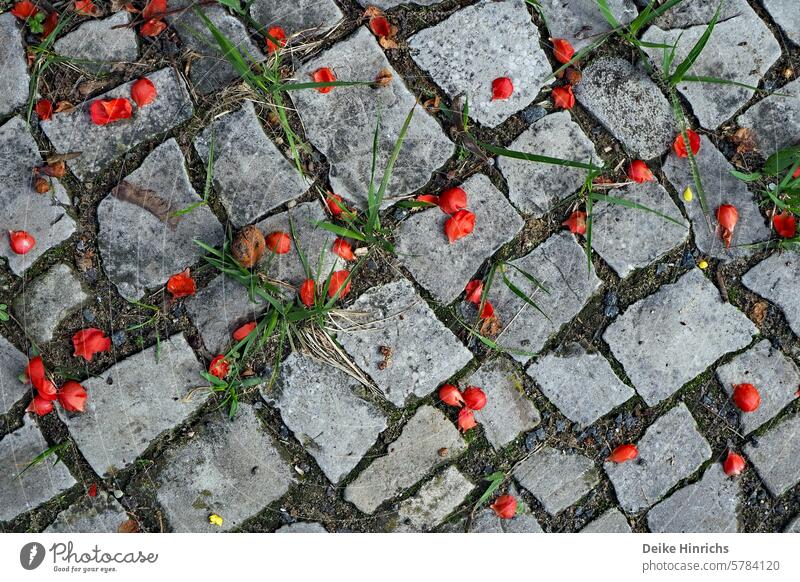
<point>119,338</point>
<point>533,113</point>
<point>88,316</point>
<point>118,493</point>
<point>687,260</point>
<point>661,269</point>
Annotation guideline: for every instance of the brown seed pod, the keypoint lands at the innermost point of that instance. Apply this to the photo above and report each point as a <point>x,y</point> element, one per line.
<point>573,76</point>
<point>248,246</point>
<point>41,185</point>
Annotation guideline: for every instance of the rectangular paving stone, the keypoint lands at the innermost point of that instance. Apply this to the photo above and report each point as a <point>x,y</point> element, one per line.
<point>630,238</point>
<point>775,278</point>
<point>425,353</point>
<point>300,16</point>
<point>612,521</point>
<point>424,248</point>
<point>231,468</point>
<point>435,500</point>
<point>775,458</point>
<point>535,188</point>
<point>776,377</point>
<point>141,249</point>
<point>44,216</point>
<point>14,81</point>
<point>341,123</point>
<point>670,450</point>
<point>508,411</point>
<point>629,105</point>
<point>463,56</point>
<point>12,364</point>
<point>720,188</point>
<point>581,385</point>
<point>251,175</point>
<point>580,21</point>
<point>785,15</point>
<point>557,479</point>
<point>321,406</point>
<point>775,120</point>
<point>708,506</point>
<point>135,401</point>
<point>21,492</point>
<point>559,264</point>
<point>408,459</point>
<point>101,45</point>
<point>686,14</point>
<point>100,514</point>
<point>99,145</point>
<point>665,340</point>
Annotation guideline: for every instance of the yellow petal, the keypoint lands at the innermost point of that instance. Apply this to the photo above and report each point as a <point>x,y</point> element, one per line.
<point>688,194</point>
<point>703,265</point>
<point>215,519</point>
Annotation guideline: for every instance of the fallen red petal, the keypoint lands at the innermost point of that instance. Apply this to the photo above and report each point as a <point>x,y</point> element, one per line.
<point>502,88</point>
<point>40,406</point>
<point>244,331</point>
<point>86,7</point>
<point>459,225</point>
<point>342,248</point>
<point>92,492</point>
<point>785,224</point>
<point>143,92</point>
<point>21,242</point>
<point>181,285</point>
<point>219,367</point>
<point>727,216</point>
<point>623,453</point>
<point>278,34</point>
<point>152,27</point>
<point>90,341</point>
<point>338,282</point>
<point>451,396</point>
<point>279,242</point>
<point>308,291</point>
<point>49,24</point>
<point>72,396</point>
<point>380,26</point>
<point>466,420</point>
<point>562,50</point>
<point>44,109</point>
<point>474,398</point>
<point>488,310</point>
<point>639,172</point>
<point>323,75</point>
<point>334,203</point>
<point>47,390</point>
<point>429,198</point>
<point>105,111</point>
<point>680,148</point>
<point>563,97</point>
<point>34,371</point>
<point>24,10</point>
<point>576,223</point>
<point>452,200</point>
<point>154,9</point>
<point>733,465</point>
<point>746,397</point>
<point>505,506</point>
<point>474,291</point>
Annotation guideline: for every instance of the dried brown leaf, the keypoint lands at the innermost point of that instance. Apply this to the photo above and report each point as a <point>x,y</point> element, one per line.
<point>384,77</point>
<point>745,140</point>
<point>129,526</point>
<point>147,200</point>
<point>758,312</point>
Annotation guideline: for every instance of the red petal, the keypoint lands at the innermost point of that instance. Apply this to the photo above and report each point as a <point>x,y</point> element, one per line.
<point>47,390</point>
<point>308,291</point>
<point>474,291</point>
<point>24,10</point>
<point>733,465</point>
<point>680,148</point>
<point>143,92</point>
<point>244,331</point>
<point>727,216</point>
<point>342,248</point>
<point>576,223</point>
<point>181,285</point>
<point>34,371</point>
<point>49,24</point>
<point>623,453</point>
<point>488,310</point>
<point>474,398</point>
<point>86,7</point>
<point>104,111</point>
<point>380,26</point>
<point>505,506</point>
<point>746,397</point>
<point>452,200</point>
<point>639,172</point>
<point>279,242</point>
<point>334,203</point>
<point>562,50</point>
<point>785,224</point>
<point>502,88</point>
<point>44,109</point>
<point>72,396</point>
<point>40,406</point>
<point>219,367</point>
<point>90,341</point>
<point>451,396</point>
<point>20,241</point>
<point>152,27</point>
<point>459,225</point>
<point>323,75</point>
<point>429,198</point>
<point>92,492</point>
<point>277,33</point>
<point>337,280</point>
<point>563,97</point>
<point>466,420</point>
<point>154,9</point>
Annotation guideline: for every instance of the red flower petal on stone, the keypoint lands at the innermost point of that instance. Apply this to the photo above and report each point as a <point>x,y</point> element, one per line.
<point>623,453</point>
<point>90,341</point>
<point>154,9</point>
<point>452,200</point>
<point>576,223</point>
<point>92,492</point>
<point>466,420</point>
<point>34,371</point>
<point>72,396</point>
<point>337,281</point>
<point>86,7</point>
<point>746,397</point>
<point>219,367</point>
<point>334,203</point>
<point>181,285</point>
<point>24,10</point>
<point>49,24</point>
<point>308,291</point>
<point>459,225</point>
<point>277,33</point>
<point>785,224</point>
<point>488,310</point>
<point>563,97</point>
<point>105,111</point>
<point>40,406</point>
<point>244,330</point>
<point>562,50</point>
<point>474,398</point>
<point>505,506</point>
<point>429,198</point>
<point>342,248</point>
<point>323,75</point>
<point>474,291</point>
<point>796,173</point>
<point>451,396</point>
<point>44,109</point>
<point>502,88</point>
<point>21,242</point>
<point>380,26</point>
<point>47,390</point>
<point>279,242</point>
<point>143,92</point>
<point>152,27</point>
<point>733,465</point>
<point>680,148</point>
<point>639,172</point>
<point>727,216</point>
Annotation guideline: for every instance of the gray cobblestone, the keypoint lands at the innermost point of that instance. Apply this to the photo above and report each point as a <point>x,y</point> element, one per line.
<point>580,21</point>
<point>100,514</point>
<point>12,364</point>
<point>775,279</point>
<point>300,16</point>
<point>775,458</point>
<point>612,521</point>
<point>557,479</point>
<point>435,500</point>
<point>775,120</point>
<point>15,79</point>
<point>101,45</point>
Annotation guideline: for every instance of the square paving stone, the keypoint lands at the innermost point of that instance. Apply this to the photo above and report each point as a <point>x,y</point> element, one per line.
<point>741,50</point>
<point>321,405</point>
<point>408,459</point>
<point>300,16</point>
<point>99,145</point>
<point>425,353</point>
<point>47,300</point>
<point>580,21</point>
<point>775,120</point>
<point>612,521</point>
<point>99,45</point>
<point>774,375</point>
<point>535,188</point>
<point>445,268</point>
<point>486,520</point>
<point>708,506</point>
<point>141,243</point>
<point>134,401</point>
<point>559,264</point>
<point>775,458</point>
<point>508,411</point>
<point>785,15</point>
<point>776,278</point>
<point>251,174</point>
<point>581,385</point>
<point>557,479</point>
<point>435,500</point>
<point>44,216</point>
<point>720,188</point>
<point>665,340</point>
<point>12,364</point>
<point>341,124</point>
<point>631,238</point>
<point>670,450</point>
<point>629,105</point>
<point>479,44</point>
<point>100,514</point>
<point>231,468</point>
<point>21,492</point>
<point>14,81</point>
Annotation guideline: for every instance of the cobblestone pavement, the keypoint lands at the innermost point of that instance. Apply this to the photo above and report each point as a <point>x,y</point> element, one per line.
<point>642,344</point>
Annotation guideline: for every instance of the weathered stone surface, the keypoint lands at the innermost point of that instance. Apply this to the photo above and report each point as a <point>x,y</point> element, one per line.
<point>630,238</point>
<point>776,278</point>
<point>463,56</point>
<point>686,14</point>
<point>720,188</point>
<point>251,175</point>
<point>708,506</point>
<point>47,300</point>
<point>794,526</point>
<point>21,492</point>
<point>557,479</point>
<point>583,386</point>
<point>559,264</point>
<point>535,188</point>
<point>663,341</point>
<point>785,14</point>
<point>302,527</point>
<point>300,16</point>
<point>775,120</point>
<point>42,215</point>
<point>776,377</point>
<point>233,469</point>
<point>321,406</point>
<point>12,364</point>
<point>612,521</point>
<point>100,514</point>
<point>98,45</point>
<point>775,458</point>
<point>435,500</point>
<point>341,124</point>
<point>126,409</point>
<point>629,104</point>
<point>424,352</point>
<point>508,411</point>
<point>580,21</point>
<point>444,269</point>
<point>670,450</point>
<point>99,145</point>
<point>15,79</point>
<point>387,4</point>
<point>741,50</point>
<point>409,458</point>
<point>486,520</point>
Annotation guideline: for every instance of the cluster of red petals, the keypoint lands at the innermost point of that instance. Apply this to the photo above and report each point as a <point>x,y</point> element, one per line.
<point>576,223</point>
<point>785,224</point>
<point>72,396</point>
<point>563,97</point>
<point>733,464</point>
<point>639,172</point>
<point>623,453</point>
<point>278,34</point>
<point>181,285</point>
<point>459,225</point>
<point>746,397</point>
<point>219,367</point>
<point>502,88</point>
<point>308,292</point>
<point>152,27</point>
<point>244,331</point>
<point>452,200</point>
<point>342,248</point>
<point>335,204</point>
<point>727,216</point>
<point>86,7</point>
<point>473,398</point>
<point>279,242</point>
<point>324,75</point>
<point>21,242</point>
<point>338,285</point>
<point>680,147</point>
<point>24,10</point>
<point>90,341</point>
<point>105,111</point>
<point>44,109</point>
<point>505,506</point>
<point>143,92</point>
<point>562,50</point>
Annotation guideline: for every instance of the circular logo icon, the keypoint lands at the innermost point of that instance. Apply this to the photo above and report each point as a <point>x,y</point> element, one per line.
<point>31,555</point>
